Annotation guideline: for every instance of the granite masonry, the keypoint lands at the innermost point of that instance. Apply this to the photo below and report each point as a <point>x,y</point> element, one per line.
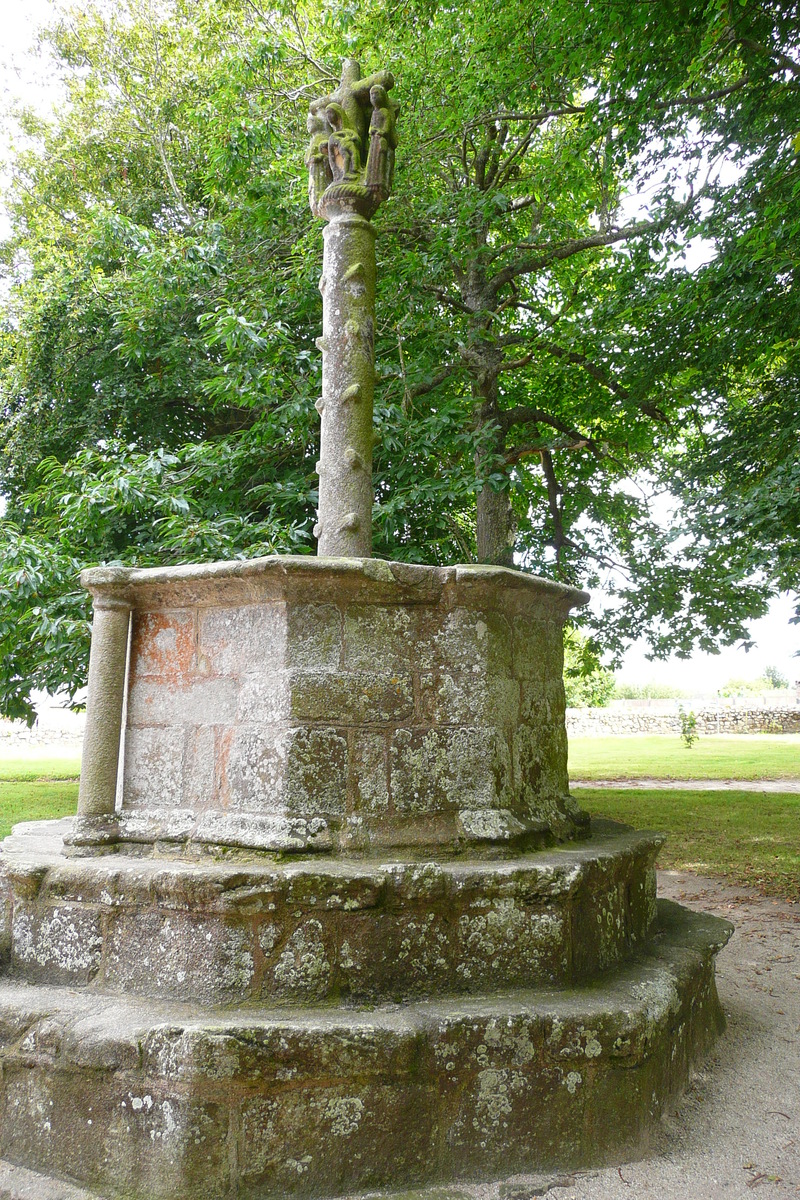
<point>341,927</point>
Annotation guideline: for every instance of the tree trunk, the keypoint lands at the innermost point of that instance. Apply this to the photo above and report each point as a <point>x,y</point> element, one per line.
<point>495,528</point>
<point>494,518</point>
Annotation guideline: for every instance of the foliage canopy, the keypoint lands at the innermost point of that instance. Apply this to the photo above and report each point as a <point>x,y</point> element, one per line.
<point>547,361</point>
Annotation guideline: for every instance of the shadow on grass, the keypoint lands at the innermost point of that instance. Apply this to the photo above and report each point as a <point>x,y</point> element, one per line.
<point>746,837</point>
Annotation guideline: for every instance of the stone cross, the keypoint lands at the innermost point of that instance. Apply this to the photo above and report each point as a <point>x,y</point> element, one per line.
<point>350,162</point>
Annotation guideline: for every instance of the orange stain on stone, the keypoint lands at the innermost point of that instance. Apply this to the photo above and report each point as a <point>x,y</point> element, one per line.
<point>163,645</point>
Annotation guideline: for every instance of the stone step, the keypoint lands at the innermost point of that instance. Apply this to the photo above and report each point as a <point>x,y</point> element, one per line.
<point>150,1100</point>
<point>318,929</point>
<point>16,1183</point>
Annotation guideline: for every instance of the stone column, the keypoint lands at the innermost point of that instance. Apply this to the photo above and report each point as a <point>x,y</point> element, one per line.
<point>351,162</point>
<point>108,661</point>
<point>348,376</point>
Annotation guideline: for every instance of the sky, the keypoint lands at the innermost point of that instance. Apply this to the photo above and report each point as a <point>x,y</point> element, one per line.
<point>24,75</point>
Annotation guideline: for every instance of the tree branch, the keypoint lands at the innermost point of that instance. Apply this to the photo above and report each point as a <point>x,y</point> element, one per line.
<point>560,539</point>
<point>422,389</point>
<point>446,298</point>
<point>777,56</point>
<point>537,262</point>
<point>524,414</point>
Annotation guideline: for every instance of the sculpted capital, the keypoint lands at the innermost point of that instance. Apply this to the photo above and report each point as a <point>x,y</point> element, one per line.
<point>350,157</point>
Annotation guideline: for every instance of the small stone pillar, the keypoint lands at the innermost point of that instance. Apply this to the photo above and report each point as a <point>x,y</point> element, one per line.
<point>108,662</point>
<point>351,163</point>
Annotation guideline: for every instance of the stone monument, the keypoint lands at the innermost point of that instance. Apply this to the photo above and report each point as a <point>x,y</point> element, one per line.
<point>328,919</point>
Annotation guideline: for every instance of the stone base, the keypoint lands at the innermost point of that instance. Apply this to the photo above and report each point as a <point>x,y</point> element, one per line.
<point>303,932</point>
<point>148,1100</point>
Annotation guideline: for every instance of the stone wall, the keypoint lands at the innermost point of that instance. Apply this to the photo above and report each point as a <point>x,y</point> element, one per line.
<point>605,722</point>
<point>66,736</point>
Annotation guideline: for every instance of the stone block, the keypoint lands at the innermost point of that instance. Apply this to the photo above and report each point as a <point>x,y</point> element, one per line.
<point>446,768</point>
<point>324,1140</point>
<point>59,943</point>
<point>464,641</point>
<point>538,650</point>
<point>194,701</point>
<point>153,767</point>
<point>199,771</point>
<point>351,698</point>
<point>265,698</point>
<point>296,771</point>
<point>513,942</point>
<point>251,765</point>
<point>231,640</point>
<point>176,954</point>
<point>369,774</point>
<point>397,955</point>
<point>379,634</point>
<point>540,771</point>
<point>304,968</point>
<point>275,832</point>
<point>314,637</point>
<point>469,699</point>
<point>163,645</point>
<point>316,771</point>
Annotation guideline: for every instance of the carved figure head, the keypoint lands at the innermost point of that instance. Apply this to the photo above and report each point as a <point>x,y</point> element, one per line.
<point>379,96</point>
<point>315,122</point>
<point>336,117</point>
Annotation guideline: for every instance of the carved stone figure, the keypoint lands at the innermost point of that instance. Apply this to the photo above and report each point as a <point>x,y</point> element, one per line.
<point>344,146</point>
<point>382,141</point>
<point>320,175</point>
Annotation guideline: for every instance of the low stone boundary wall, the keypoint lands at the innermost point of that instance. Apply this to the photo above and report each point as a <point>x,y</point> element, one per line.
<point>67,736</point>
<point>602,722</point>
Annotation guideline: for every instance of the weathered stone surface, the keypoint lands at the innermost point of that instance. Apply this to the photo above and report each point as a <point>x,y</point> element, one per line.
<point>381,698</point>
<point>160,1103</point>
<point>321,930</point>
<point>17,1183</point>
<point>56,942</point>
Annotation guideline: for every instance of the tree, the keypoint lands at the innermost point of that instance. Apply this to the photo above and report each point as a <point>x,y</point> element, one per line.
<point>545,358</point>
<point>587,683</point>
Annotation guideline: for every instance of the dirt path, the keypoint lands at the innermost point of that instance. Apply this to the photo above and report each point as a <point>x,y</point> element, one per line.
<point>736,1133</point>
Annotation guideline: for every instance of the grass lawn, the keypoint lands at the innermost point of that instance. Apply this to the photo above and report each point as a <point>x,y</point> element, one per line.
<point>747,837</point>
<point>36,800</point>
<point>751,756</point>
<point>37,789</point>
